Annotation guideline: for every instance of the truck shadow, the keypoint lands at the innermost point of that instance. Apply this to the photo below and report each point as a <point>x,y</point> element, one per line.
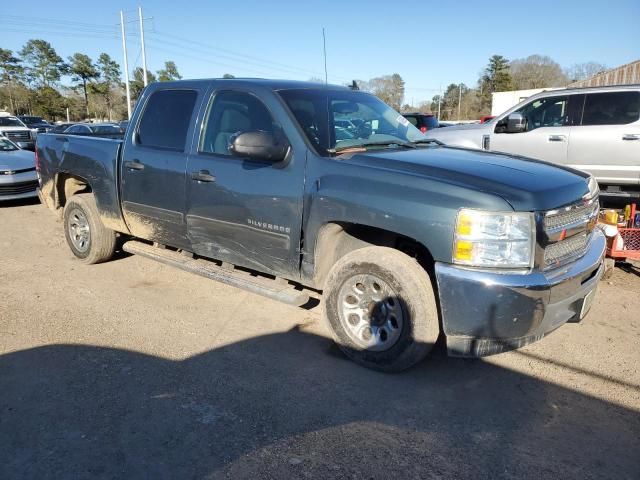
<point>275,406</point>
<point>19,203</point>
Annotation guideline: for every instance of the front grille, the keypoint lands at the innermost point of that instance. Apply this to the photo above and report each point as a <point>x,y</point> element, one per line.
<point>18,188</point>
<point>577,214</point>
<point>565,250</point>
<point>19,136</point>
<point>567,231</point>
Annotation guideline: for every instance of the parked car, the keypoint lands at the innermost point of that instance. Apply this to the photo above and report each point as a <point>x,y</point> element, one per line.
<point>422,121</point>
<point>18,178</point>
<point>36,123</point>
<point>12,128</point>
<point>486,118</point>
<point>592,129</point>
<point>95,129</point>
<point>407,239</point>
<point>60,127</point>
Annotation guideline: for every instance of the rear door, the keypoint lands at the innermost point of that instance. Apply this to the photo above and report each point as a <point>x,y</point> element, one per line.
<point>153,167</point>
<point>606,143</point>
<point>546,137</point>
<point>247,212</point>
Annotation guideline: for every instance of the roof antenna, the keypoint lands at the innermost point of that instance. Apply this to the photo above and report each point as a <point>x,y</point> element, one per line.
<point>354,85</point>
<point>324,48</point>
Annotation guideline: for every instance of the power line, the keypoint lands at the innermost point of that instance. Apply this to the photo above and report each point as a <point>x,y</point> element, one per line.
<point>69,28</point>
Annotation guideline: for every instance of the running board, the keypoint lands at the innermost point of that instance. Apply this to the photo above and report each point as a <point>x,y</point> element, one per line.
<point>275,289</point>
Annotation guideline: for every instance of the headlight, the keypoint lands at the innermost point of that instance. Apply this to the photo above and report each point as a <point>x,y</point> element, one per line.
<point>494,239</point>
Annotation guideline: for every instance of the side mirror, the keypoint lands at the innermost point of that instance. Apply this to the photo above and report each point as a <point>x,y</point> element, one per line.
<point>516,123</point>
<point>259,145</point>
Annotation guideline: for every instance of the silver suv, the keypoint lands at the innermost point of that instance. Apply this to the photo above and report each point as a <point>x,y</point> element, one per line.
<point>591,129</point>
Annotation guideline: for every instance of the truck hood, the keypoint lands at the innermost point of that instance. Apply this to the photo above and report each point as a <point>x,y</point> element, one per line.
<point>526,184</point>
<point>17,160</point>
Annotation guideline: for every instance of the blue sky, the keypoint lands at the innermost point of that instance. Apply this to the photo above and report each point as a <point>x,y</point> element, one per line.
<point>431,44</point>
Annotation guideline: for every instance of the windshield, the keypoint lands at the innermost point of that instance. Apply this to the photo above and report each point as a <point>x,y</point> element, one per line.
<point>335,120</point>
<point>10,122</point>
<point>6,145</point>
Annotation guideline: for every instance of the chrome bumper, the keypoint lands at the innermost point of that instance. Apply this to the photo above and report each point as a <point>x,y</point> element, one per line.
<point>484,313</point>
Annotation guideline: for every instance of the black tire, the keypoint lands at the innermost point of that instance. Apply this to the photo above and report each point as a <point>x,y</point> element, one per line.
<point>100,243</point>
<point>412,289</point>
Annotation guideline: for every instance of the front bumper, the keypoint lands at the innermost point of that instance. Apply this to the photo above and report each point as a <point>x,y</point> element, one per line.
<point>484,313</point>
<point>19,185</point>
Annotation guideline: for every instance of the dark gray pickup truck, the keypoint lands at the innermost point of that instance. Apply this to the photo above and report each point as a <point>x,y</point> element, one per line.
<point>259,184</point>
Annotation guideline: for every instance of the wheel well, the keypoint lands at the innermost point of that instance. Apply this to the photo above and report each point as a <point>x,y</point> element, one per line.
<point>67,186</point>
<point>335,240</point>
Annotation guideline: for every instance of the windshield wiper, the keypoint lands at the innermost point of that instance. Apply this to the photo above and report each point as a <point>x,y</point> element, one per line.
<point>427,140</point>
<point>364,146</point>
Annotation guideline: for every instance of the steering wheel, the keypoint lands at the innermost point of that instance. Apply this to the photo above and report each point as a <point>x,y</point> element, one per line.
<point>363,131</point>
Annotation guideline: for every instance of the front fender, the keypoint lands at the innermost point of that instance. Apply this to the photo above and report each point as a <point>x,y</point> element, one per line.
<point>419,208</point>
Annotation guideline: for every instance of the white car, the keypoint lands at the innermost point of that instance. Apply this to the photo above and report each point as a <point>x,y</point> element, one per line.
<point>592,129</point>
<point>15,130</point>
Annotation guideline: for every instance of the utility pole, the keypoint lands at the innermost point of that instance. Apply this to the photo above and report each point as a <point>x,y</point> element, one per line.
<point>144,53</point>
<point>126,65</point>
<point>439,102</point>
<point>459,99</point>
<point>324,48</point>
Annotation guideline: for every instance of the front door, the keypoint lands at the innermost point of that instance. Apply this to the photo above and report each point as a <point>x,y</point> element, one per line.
<point>153,168</point>
<point>246,212</point>
<point>548,130</point>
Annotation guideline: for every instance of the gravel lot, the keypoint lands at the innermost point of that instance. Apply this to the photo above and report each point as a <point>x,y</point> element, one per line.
<point>131,369</point>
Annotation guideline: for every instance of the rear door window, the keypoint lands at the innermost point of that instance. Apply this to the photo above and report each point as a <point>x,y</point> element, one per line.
<point>166,118</point>
<point>611,108</point>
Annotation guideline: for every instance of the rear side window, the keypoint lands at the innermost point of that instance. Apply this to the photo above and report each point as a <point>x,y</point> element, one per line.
<point>611,108</point>
<point>165,120</point>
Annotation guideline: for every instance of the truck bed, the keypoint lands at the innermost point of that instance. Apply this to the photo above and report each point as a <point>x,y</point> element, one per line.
<point>92,159</point>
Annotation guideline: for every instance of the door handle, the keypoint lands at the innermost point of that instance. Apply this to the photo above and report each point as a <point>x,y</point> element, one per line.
<point>631,136</point>
<point>134,165</point>
<point>202,176</point>
<point>557,138</point>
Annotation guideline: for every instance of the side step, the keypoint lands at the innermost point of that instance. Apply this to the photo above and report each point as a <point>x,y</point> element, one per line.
<point>274,289</point>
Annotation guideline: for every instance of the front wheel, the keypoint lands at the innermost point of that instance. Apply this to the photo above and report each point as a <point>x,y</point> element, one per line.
<point>381,308</point>
<point>87,237</point>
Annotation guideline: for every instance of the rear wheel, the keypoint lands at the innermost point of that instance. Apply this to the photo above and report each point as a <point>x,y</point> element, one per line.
<point>381,308</point>
<point>87,237</point>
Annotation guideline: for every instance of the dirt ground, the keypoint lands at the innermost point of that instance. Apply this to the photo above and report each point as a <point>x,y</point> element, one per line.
<point>131,369</point>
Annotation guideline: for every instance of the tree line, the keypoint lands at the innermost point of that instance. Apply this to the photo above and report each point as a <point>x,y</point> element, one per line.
<point>459,101</point>
<point>31,83</point>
